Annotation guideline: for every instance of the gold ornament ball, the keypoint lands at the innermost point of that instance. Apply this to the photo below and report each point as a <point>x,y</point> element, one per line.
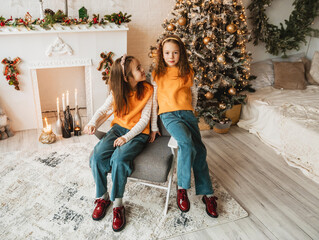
<point>206,40</point>
<point>221,58</point>
<point>245,83</point>
<point>242,17</point>
<point>231,28</point>
<point>222,106</point>
<point>170,27</point>
<point>232,91</point>
<point>209,95</point>
<point>182,21</point>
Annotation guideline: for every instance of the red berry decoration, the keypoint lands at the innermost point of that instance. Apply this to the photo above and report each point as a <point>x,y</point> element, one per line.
<point>11,72</point>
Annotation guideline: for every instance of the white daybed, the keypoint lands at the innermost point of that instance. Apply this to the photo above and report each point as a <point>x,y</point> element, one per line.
<point>288,121</point>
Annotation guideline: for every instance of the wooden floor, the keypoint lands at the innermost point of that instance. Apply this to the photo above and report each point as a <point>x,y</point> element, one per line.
<point>281,202</point>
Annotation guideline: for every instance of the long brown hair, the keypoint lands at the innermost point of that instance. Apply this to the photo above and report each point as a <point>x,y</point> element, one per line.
<point>122,89</point>
<point>183,64</point>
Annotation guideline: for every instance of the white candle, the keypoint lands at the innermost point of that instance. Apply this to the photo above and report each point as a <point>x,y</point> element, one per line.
<point>76,97</point>
<point>58,105</point>
<point>48,128</point>
<point>67,98</point>
<point>63,102</point>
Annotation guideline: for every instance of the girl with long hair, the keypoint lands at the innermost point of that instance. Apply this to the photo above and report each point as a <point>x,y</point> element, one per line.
<point>174,100</point>
<point>131,100</point>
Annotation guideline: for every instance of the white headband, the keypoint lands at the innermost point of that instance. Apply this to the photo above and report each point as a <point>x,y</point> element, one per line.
<point>122,64</point>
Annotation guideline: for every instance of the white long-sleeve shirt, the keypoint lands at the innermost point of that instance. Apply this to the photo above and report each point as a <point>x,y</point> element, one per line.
<point>102,114</point>
<point>155,104</point>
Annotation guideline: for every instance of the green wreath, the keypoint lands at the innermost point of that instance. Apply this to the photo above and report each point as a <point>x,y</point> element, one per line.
<point>282,39</point>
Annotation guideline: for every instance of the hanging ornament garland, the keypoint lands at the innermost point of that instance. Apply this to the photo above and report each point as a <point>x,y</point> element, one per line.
<point>11,72</point>
<point>282,39</point>
<point>106,65</point>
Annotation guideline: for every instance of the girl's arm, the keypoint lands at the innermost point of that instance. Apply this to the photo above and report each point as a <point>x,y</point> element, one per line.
<point>101,114</point>
<point>154,116</point>
<point>142,123</point>
<point>194,96</point>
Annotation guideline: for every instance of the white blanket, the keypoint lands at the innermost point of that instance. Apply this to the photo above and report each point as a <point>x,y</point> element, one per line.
<point>288,121</point>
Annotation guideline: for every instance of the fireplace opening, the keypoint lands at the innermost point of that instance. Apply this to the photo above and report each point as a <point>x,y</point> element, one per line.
<point>52,83</point>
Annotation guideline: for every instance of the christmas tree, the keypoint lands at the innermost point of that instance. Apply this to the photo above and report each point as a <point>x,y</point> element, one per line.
<point>215,35</point>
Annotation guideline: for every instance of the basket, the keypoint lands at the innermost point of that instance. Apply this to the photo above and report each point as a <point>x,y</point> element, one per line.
<point>222,128</point>
<point>219,130</point>
<point>234,113</point>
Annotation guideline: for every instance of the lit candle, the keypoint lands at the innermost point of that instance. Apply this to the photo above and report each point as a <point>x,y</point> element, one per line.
<point>76,97</point>
<point>58,105</point>
<point>67,98</point>
<point>63,102</point>
<point>77,131</point>
<point>47,129</point>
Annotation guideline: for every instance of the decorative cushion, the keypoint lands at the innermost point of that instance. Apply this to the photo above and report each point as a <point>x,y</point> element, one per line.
<point>314,70</point>
<point>309,78</point>
<point>264,72</point>
<point>289,75</point>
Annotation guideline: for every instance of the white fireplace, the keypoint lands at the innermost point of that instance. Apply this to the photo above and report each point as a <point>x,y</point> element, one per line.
<point>61,47</point>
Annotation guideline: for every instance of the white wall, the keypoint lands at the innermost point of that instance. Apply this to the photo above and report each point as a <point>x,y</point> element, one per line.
<point>147,17</point>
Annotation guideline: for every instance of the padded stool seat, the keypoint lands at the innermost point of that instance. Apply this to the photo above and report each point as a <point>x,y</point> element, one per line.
<point>155,163</point>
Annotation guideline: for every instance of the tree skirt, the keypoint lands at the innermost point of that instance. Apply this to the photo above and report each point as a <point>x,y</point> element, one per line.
<point>50,195</point>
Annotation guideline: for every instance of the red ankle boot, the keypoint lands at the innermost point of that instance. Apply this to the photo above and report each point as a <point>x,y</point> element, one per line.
<point>100,209</point>
<point>118,218</point>
<point>182,200</point>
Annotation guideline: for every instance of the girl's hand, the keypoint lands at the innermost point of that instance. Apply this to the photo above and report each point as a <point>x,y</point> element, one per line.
<point>119,142</point>
<point>89,129</point>
<point>153,136</point>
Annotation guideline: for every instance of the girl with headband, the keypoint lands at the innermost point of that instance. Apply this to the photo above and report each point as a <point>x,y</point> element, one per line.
<point>131,100</point>
<point>174,100</point>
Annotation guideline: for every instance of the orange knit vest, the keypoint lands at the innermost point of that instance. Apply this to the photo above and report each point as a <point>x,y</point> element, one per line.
<point>136,107</point>
<point>172,93</point>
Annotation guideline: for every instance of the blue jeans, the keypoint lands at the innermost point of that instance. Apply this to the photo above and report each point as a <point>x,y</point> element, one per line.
<point>183,126</point>
<point>120,159</point>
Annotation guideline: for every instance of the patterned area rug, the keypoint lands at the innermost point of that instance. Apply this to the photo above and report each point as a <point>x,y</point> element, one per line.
<point>50,195</point>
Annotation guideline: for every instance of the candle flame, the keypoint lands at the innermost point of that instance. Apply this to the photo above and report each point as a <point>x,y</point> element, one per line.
<point>46,122</point>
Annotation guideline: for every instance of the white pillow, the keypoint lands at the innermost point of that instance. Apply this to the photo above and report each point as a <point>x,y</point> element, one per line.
<point>291,58</point>
<point>264,71</point>
<point>314,70</point>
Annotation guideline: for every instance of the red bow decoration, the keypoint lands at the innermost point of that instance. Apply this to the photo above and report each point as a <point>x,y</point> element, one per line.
<point>11,72</point>
<point>106,63</point>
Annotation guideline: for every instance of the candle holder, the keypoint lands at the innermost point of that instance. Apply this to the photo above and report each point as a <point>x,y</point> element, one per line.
<point>47,137</point>
<point>77,131</point>
<point>58,125</point>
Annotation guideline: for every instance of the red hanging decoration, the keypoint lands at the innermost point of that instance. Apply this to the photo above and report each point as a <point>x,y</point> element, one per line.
<point>11,72</point>
<point>105,65</point>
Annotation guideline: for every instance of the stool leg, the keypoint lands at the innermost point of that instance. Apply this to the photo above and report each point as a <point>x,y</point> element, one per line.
<point>170,180</point>
<point>168,193</point>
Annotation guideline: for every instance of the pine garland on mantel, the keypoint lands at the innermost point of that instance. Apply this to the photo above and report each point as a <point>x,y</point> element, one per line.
<point>52,18</point>
<point>284,38</point>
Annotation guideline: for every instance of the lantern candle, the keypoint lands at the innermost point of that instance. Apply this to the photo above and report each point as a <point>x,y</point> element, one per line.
<point>77,131</point>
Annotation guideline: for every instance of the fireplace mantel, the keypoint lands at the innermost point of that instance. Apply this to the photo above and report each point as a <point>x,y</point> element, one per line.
<point>59,28</point>
<point>62,46</point>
